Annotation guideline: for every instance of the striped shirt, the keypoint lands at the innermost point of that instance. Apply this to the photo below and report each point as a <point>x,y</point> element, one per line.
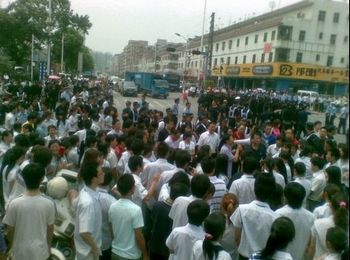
<point>220,191</point>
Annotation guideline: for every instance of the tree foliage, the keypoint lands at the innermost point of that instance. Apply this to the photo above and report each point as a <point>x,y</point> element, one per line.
<point>22,18</point>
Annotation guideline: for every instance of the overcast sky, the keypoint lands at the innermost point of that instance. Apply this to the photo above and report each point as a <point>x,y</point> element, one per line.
<point>114,22</point>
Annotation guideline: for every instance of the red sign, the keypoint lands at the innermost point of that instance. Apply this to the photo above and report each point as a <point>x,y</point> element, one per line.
<point>267,47</point>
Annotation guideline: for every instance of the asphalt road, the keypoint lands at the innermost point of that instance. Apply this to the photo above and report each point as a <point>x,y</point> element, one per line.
<point>162,104</point>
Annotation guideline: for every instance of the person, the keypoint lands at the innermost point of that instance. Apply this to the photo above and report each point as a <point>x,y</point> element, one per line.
<point>226,148</point>
<point>106,200</point>
<point>299,177</point>
<point>325,210</point>
<point>337,244</point>
<point>339,218</point>
<point>318,183</point>
<point>30,218</point>
<point>253,221</point>
<point>210,248</point>
<point>243,187</point>
<point>282,233</point>
<point>210,138</point>
<point>181,240</point>
<point>88,219</point>
<point>301,218</point>
<point>127,223</point>
<point>344,113</point>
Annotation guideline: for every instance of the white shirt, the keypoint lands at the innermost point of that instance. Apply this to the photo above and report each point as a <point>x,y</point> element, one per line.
<point>140,191</point>
<point>243,188</point>
<point>182,239</point>
<point>319,231</point>
<point>10,120</point>
<point>255,220</point>
<point>212,140</point>
<point>307,162</point>
<point>73,123</point>
<point>303,221</point>
<point>220,191</point>
<point>279,179</point>
<point>88,219</point>
<point>323,211</point>
<point>318,183</point>
<point>123,162</point>
<point>8,183</point>
<point>153,168</point>
<point>166,176</point>
<point>187,147</point>
<point>307,186</point>
<point>197,253</point>
<point>178,211</point>
<point>174,144</point>
<point>112,158</point>
<point>273,150</point>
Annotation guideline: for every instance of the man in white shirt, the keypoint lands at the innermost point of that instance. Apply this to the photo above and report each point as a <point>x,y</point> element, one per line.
<point>173,140</point>
<point>210,138</point>
<point>318,183</point>
<point>181,240</point>
<point>299,177</point>
<point>52,130</point>
<point>117,129</point>
<point>111,140</point>
<point>243,187</point>
<point>10,117</point>
<point>5,144</point>
<point>253,221</point>
<point>88,220</point>
<point>301,218</point>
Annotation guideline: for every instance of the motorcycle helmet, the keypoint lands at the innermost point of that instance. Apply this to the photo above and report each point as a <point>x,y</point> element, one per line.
<point>57,188</point>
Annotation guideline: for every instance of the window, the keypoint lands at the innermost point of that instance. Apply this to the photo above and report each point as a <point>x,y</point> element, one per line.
<point>265,37</point>
<point>195,64</point>
<point>246,40</point>
<point>237,43</point>
<point>230,44</point>
<point>244,59</point>
<point>253,58</point>
<point>223,46</point>
<point>342,59</point>
<point>273,35</point>
<point>270,56</point>
<point>228,60</point>
<point>222,61</point>
<point>333,39</point>
<point>215,62</point>
<point>320,36</point>
<point>317,57</point>
<point>262,58</point>
<point>346,38</point>
<point>329,61</point>
<point>217,47</point>
<point>336,18</point>
<point>236,60</point>
<point>302,36</point>
<point>256,38</point>
<point>321,16</point>
<point>299,58</point>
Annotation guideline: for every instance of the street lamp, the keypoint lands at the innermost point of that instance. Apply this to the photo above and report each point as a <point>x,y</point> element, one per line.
<point>186,54</point>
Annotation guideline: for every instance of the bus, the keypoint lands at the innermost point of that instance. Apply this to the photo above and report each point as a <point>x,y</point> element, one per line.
<point>173,81</point>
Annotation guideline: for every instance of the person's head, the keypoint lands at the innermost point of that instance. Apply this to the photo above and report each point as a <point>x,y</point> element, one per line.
<point>214,227</point>
<point>333,175</point>
<point>323,132</point>
<point>294,194</point>
<point>250,165</point>
<point>74,140</point>
<point>7,137</point>
<point>343,151</point>
<point>52,130</point>
<point>221,163</point>
<point>126,185</point>
<point>178,189</point>
<point>208,165</point>
<point>200,186</point>
<point>255,138</point>
<point>197,211</point>
<point>329,191</point>
<point>182,158</point>
<point>211,127</point>
<point>299,169</point>
<point>229,204</point>
<point>317,126</point>
<point>136,164</point>
<point>91,141</point>
<point>316,163</point>
<point>340,209</point>
<point>111,140</point>
<point>309,127</point>
<point>22,140</point>
<point>42,155</point>
<point>280,141</point>
<point>289,134</point>
<point>332,155</point>
<point>337,241</point>
<point>108,177</point>
<point>92,174</point>
<point>263,186</point>
<point>162,150</point>
<point>282,233</point>
<point>54,146</point>
<point>33,174</point>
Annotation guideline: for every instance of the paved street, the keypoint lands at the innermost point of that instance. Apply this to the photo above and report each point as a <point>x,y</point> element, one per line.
<point>162,104</point>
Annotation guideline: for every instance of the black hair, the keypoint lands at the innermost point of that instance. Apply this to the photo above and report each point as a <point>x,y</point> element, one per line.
<point>197,211</point>
<point>250,165</point>
<point>276,199</point>
<point>334,175</point>
<point>178,189</point>
<point>295,194</point>
<point>182,158</point>
<point>180,177</point>
<point>74,140</point>
<point>90,140</point>
<point>340,207</point>
<point>281,168</point>
<point>214,227</point>
<point>162,150</point>
<point>33,174</point>
<point>108,176</point>
<point>339,242</point>
<point>125,183</point>
<point>221,164</point>
<point>89,171</point>
<point>208,165</point>
<point>13,155</point>
<point>22,140</point>
<point>263,186</point>
<point>334,153</point>
<point>300,168</point>
<point>54,142</point>
<point>200,185</point>
<point>331,189</point>
<point>42,155</point>
<point>317,161</point>
<point>110,138</point>
<point>136,147</point>
<point>6,133</point>
<point>135,162</point>
<point>282,233</point>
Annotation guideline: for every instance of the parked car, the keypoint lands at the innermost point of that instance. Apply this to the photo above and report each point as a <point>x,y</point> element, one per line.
<point>128,88</point>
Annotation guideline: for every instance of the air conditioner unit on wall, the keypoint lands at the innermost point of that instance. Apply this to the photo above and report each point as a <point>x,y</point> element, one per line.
<point>300,15</point>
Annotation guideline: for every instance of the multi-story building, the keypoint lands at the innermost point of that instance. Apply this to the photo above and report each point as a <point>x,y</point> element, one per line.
<point>303,45</point>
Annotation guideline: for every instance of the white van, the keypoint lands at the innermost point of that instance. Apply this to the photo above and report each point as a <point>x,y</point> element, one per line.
<point>307,95</point>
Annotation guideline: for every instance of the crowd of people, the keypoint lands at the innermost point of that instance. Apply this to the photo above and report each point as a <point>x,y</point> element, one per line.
<point>248,177</point>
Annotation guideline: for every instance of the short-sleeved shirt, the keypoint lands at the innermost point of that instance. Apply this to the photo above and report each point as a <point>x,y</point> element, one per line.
<point>125,216</point>
<point>197,252</point>
<point>88,219</point>
<point>30,216</point>
<point>243,188</point>
<point>255,220</point>
<point>178,211</point>
<point>220,191</point>
<point>319,231</point>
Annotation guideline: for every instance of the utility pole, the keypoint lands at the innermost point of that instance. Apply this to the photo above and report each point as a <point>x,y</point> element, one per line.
<point>210,45</point>
<point>49,41</point>
<point>202,38</point>
<point>32,60</point>
<point>62,53</point>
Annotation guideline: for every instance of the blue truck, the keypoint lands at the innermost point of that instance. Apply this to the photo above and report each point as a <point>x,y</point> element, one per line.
<point>150,83</point>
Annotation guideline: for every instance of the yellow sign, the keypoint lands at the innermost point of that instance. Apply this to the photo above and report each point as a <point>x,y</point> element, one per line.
<point>284,70</point>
